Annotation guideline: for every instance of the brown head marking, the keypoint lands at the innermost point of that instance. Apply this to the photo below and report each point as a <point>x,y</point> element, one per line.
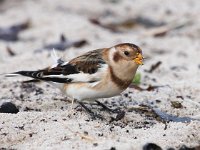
<point>117,57</point>
<point>124,45</point>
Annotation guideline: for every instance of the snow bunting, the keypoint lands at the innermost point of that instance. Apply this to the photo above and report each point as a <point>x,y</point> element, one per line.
<point>100,73</point>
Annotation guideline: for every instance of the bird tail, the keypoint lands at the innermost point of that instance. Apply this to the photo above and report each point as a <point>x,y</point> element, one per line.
<point>32,74</point>
<point>38,77</point>
<point>39,73</point>
<point>18,73</point>
<point>43,75</point>
<point>53,73</point>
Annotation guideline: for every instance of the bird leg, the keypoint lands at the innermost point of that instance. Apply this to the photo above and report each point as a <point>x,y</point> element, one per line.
<point>107,108</point>
<point>120,114</point>
<point>71,111</point>
<point>72,104</point>
<point>90,112</point>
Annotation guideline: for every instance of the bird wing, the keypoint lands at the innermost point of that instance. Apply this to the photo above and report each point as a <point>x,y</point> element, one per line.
<point>89,67</point>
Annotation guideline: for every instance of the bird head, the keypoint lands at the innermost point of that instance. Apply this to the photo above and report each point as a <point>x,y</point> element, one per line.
<point>128,53</point>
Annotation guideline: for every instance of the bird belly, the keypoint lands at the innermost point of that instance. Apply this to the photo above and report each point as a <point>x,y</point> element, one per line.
<point>85,91</point>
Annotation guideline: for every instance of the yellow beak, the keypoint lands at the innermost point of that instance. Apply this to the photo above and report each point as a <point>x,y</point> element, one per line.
<point>139,59</point>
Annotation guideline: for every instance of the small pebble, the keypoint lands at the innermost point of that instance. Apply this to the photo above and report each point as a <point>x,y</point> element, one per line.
<point>112,148</point>
<point>151,146</point>
<point>183,147</point>
<point>8,107</point>
<point>158,101</point>
<point>126,94</point>
<point>176,104</point>
<point>85,132</point>
<point>170,149</point>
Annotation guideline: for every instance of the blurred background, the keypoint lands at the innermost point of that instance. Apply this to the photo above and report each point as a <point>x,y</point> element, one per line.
<point>29,30</point>
<point>168,32</point>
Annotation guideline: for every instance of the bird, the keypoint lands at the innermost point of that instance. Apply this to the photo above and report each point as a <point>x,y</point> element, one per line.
<point>100,73</point>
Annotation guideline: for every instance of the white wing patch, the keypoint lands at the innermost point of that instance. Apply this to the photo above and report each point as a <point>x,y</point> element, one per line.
<point>57,60</point>
<point>56,76</point>
<point>54,56</point>
<point>84,77</point>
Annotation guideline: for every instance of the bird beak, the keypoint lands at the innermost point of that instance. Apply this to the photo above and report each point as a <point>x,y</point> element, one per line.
<point>139,59</point>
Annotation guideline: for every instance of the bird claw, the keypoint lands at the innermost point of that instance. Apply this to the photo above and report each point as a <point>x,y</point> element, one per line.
<point>117,110</point>
<point>96,116</point>
<point>91,113</point>
<point>119,116</point>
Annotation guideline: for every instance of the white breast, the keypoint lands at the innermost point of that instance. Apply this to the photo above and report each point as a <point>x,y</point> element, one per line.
<point>87,92</point>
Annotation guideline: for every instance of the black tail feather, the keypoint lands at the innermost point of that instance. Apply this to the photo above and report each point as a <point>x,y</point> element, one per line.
<point>38,75</point>
<point>32,74</point>
<point>32,81</point>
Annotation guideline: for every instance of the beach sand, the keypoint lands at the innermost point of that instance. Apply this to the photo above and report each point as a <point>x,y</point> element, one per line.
<point>168,32</point>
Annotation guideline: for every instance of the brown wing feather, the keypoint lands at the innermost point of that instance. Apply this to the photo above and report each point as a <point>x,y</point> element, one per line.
<point>89,62</point>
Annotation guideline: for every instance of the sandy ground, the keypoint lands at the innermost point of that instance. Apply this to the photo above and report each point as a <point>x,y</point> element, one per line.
<point>46,120</point>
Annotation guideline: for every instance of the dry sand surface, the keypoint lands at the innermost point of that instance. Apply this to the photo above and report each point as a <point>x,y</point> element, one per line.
<point>167,31</point>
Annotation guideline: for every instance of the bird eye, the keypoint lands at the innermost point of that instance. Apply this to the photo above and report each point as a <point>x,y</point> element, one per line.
<point>126,53</point>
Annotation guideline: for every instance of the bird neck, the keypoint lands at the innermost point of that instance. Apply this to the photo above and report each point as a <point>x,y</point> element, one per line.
<point>125,73</point>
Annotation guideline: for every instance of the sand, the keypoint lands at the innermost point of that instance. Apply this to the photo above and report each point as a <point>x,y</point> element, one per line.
<point>47,120</point>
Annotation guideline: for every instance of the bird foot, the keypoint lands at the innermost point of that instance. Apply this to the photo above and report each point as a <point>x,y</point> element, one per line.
<point>117,110</point>
<point>120,114</point>
<point>91,113</point>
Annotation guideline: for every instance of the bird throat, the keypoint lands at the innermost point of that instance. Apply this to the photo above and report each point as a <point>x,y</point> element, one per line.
<point>121,83</point>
